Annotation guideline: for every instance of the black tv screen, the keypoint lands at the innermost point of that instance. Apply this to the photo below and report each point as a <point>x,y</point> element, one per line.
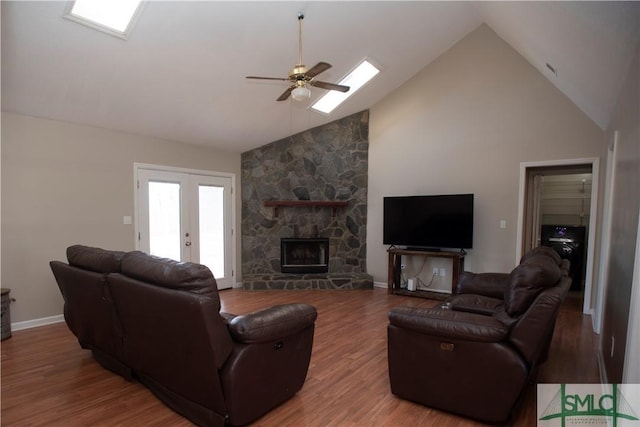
<point>429,222</point>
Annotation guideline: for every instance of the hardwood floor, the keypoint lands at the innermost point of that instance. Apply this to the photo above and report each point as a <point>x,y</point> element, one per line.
<point>48,380</point>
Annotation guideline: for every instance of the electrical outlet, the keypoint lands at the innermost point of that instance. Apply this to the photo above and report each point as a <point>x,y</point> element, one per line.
<point>435,271</point>
<point>442,272</point>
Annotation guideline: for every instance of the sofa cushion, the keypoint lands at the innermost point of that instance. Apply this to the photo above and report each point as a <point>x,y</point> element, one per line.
<point>542,250</point>
<point>448,324</point>
<point>168,273</point>
<point>94,259</point>
<point>527,280</point>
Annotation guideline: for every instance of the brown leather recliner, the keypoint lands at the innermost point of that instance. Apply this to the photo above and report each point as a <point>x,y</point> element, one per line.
<point>474,354</point>
<point>159,321</point>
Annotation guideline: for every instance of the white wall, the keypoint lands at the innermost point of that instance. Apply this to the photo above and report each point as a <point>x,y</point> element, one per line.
<point>463,125</point>
<point>64,184</point>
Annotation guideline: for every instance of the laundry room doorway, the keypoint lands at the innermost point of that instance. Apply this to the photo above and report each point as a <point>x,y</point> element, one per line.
<point>558,209</point>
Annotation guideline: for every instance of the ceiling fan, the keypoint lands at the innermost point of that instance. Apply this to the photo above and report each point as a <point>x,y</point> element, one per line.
<point>300,76</point>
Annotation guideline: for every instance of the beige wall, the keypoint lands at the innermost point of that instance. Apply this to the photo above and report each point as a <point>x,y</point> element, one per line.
<point>619,339</point>
<point>463,125</point>
<point>64,184</point>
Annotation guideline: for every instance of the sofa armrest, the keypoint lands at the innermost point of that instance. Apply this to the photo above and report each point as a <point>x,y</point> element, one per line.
<point>272,323</point>
<point>449,324</point>
<point>487,284</point>
<point>227,317</point>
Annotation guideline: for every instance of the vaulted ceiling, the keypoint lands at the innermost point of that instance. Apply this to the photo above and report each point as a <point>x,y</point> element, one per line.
<point>181,73</point>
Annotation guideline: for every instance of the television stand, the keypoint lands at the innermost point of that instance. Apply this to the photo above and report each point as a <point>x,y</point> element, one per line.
<point>394,271</point>
<point>422,249</point>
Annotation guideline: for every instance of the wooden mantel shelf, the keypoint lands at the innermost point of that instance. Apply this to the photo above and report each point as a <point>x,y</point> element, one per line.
<point>333,204</point>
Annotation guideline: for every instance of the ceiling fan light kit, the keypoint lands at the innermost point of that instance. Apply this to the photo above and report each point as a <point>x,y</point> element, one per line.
<point>300,94</point>
<point>300,76</point>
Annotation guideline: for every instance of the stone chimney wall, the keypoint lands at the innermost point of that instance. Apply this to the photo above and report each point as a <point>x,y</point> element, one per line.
<point>329,162</point>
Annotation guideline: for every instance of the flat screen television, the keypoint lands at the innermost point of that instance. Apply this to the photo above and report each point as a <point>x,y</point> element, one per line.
<point>429,222</point>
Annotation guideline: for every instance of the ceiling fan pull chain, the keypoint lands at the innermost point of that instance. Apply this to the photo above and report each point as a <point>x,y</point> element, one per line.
<point>300,18</point>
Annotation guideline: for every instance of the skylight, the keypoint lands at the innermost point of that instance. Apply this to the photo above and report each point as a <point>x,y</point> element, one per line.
<point>114,17</point>
<point>355,80</point>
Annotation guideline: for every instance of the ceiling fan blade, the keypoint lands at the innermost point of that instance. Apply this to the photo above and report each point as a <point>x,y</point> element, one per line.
<point>285,94</point>
<point>318,68</point>
<point>268,78</point>
<point>330,86</point>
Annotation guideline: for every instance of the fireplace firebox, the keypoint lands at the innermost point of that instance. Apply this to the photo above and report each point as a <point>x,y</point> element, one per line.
<point>300,256</point>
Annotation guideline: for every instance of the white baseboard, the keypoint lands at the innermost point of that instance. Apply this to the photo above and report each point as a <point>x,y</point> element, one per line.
<point>28,324</point>
<point>380,284</point>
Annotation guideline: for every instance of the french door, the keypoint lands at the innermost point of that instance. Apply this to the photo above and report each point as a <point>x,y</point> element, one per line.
<point>186,216</point>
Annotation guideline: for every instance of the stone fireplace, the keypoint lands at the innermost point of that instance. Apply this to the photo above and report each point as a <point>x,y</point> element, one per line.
<point>303,256</point>
<point>310,186</point>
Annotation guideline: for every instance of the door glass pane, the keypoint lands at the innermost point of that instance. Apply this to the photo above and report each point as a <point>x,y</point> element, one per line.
<point>211,204</point>
<point>164,219</point>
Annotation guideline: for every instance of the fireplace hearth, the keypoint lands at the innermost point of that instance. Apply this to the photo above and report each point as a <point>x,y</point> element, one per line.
<point>303,256</point>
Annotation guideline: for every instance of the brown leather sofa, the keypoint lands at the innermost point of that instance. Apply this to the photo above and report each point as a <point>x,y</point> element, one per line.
<point>474,354</point>
<point>159,321</point>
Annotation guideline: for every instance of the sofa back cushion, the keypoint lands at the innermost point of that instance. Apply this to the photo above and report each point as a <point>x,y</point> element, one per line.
<point>87,308</point>
<point>94,259</point>
<point>486,284</point>
<point>527,281</point>
<point>532,334</point>
<point>168,273</point>
<point>542,250</point>
<point>175,341</point>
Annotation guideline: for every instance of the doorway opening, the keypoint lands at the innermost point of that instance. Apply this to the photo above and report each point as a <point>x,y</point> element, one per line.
<point>558,206</point>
